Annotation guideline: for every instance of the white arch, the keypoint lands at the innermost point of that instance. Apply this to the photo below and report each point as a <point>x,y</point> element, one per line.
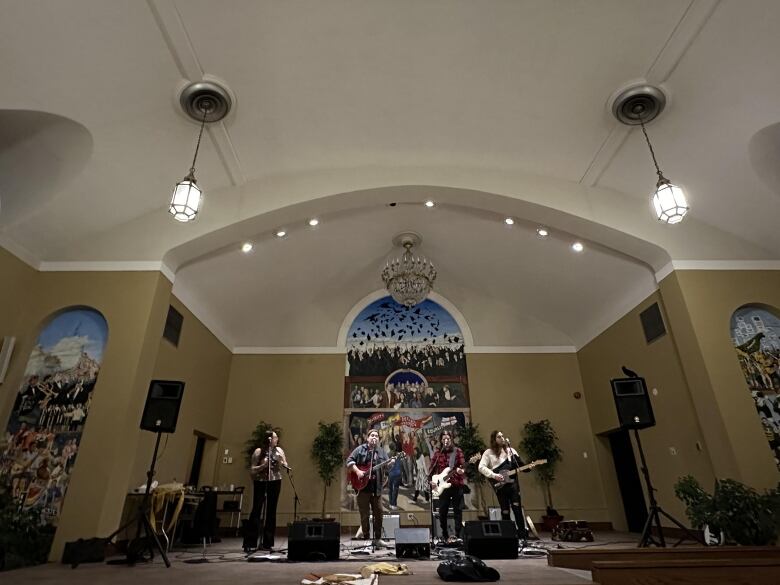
<point>465,330</point>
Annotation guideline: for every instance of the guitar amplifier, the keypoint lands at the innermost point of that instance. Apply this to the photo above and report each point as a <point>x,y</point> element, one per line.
<point>412,543</point>
<point>390,523</point>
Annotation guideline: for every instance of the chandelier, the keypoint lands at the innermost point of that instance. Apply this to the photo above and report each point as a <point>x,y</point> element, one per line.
<point>409,279</point>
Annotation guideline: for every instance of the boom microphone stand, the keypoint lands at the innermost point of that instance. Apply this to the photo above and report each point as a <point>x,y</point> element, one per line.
<point>655,511</point>
<point>296,499</point>
<point>516,480</point>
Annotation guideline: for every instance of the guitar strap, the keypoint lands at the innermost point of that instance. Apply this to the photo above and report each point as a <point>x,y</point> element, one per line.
<point>452,459</point>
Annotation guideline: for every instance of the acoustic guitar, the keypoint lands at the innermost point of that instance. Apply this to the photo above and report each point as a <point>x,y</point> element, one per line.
<point>505,472</point>
<point>441,481</point>
<point>359,483</point>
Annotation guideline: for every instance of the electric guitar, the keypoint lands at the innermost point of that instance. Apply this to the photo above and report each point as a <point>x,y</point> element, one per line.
<point>441,481</point>
<point>359,483</point>
<point>505,472</point>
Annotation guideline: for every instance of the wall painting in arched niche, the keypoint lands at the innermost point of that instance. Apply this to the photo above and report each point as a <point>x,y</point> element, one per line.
<point>406,376</point>
<point>755,331</point>
<point>42,437</point>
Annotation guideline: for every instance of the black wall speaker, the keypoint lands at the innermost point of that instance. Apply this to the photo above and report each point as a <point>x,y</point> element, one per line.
<point>412,543</point>
<point>491,539</point>
<point>313,541</point>
<point>633,403</point>
<point>161,410</point>
<point>652,322</point>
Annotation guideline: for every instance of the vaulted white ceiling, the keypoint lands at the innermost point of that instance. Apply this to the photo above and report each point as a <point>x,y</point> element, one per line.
<point>491,108</point>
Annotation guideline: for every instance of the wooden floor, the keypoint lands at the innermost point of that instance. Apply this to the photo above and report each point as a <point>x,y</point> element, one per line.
<point>227,564</point>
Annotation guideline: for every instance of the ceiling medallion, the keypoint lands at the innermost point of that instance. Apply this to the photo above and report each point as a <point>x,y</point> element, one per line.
<point>409,279</point>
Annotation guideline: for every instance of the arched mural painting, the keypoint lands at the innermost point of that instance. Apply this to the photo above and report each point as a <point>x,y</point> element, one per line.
<point>44,430</point>
<point>406,377</point>
<point>755,331</point>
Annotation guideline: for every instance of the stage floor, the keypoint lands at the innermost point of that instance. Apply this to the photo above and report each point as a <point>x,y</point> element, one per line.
<point>228,564</point>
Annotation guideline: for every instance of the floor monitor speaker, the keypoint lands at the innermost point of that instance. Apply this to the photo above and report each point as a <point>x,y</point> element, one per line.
<point>314,541</point>
<point>490,539</point>
<point>412,543</point>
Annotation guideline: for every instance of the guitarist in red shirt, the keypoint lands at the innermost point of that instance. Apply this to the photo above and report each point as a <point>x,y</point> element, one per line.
<point>448,456</point>
<point>368,461</point>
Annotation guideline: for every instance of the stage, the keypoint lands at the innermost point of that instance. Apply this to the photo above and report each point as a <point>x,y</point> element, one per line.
<point>228,564</point>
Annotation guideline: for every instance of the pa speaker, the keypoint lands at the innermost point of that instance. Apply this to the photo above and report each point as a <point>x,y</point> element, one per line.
<point>632,403</point>
<point>488,539</point>
<point>161,410</point>
<point>313,541</point>
<point>412,543</point>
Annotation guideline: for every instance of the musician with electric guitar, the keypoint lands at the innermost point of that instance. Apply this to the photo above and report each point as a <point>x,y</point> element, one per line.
<point>448,474</point>
<point>500,464</point>
<point>365,467</point>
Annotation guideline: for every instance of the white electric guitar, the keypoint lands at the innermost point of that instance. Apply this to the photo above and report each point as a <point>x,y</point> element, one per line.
<point>441,481</point>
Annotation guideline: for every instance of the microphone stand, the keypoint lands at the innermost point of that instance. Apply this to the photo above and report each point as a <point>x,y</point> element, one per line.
<point>513,465</point>
<point>430,487</point>
<point>296,499</point>
<point>265,497</point>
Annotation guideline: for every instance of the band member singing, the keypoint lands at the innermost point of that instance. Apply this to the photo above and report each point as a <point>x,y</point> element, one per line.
<point>449,456</point>
<point>360,462</point>
<point>266,469</point>
<point>507,492</point>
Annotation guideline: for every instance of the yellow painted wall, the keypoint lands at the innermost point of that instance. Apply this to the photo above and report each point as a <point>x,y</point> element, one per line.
<point>202,362</point>
<point>296,391</point>
<point>670,446</point>
<point>703,304</point>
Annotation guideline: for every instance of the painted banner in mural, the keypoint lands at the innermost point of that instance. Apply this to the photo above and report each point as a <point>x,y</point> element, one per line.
<point>406,378</point>
<point>756,336</point>
<point>44,430</point>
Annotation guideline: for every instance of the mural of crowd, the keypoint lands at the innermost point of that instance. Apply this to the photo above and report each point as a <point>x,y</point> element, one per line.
<point>387,336</point>
<point>377,395</point>
<point>756,336</point>
<point>42,437</point>
<point>406,378</point>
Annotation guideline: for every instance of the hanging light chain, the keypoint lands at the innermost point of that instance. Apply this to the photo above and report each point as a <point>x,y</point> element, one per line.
<point>206,107</point>
<point>661,178</point>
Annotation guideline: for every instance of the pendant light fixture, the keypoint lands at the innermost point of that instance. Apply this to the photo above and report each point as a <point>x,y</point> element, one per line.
<point>637,106</point>
<point>205,102</point>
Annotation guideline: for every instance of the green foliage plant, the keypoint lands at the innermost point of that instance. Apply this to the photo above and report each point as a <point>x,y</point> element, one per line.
<point>540,441</point>
<point>327,451</point>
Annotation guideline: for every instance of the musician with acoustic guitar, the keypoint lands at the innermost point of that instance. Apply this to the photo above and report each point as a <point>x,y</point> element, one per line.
<point>448,471</point>
<point>366,465</point>
<point>500,464</point>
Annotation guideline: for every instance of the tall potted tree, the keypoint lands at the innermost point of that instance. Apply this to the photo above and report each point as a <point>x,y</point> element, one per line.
<point>540,441</point>
<point>327,451</point>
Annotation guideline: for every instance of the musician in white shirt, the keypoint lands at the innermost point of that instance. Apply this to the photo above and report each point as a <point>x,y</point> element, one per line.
<point>507,491</point>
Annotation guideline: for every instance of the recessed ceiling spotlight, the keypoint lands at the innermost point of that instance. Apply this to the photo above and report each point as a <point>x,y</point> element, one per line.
<point>577,247</point>
<point>429,203</point>
<point>247,247</point>
<point>542,232</point>
<point>509,221</point>
<point>281,233</point>
<point>314,222</point>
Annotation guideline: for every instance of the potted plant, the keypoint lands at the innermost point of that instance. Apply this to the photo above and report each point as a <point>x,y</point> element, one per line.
<point>471,443</point>
<point>541,442</point>
<point>327,451</point>
<point>258,440</point>
<point>737,512</point>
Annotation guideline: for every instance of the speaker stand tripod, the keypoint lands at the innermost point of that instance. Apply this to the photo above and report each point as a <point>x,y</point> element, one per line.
<point>655,512</point>
<point>138,548</point>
